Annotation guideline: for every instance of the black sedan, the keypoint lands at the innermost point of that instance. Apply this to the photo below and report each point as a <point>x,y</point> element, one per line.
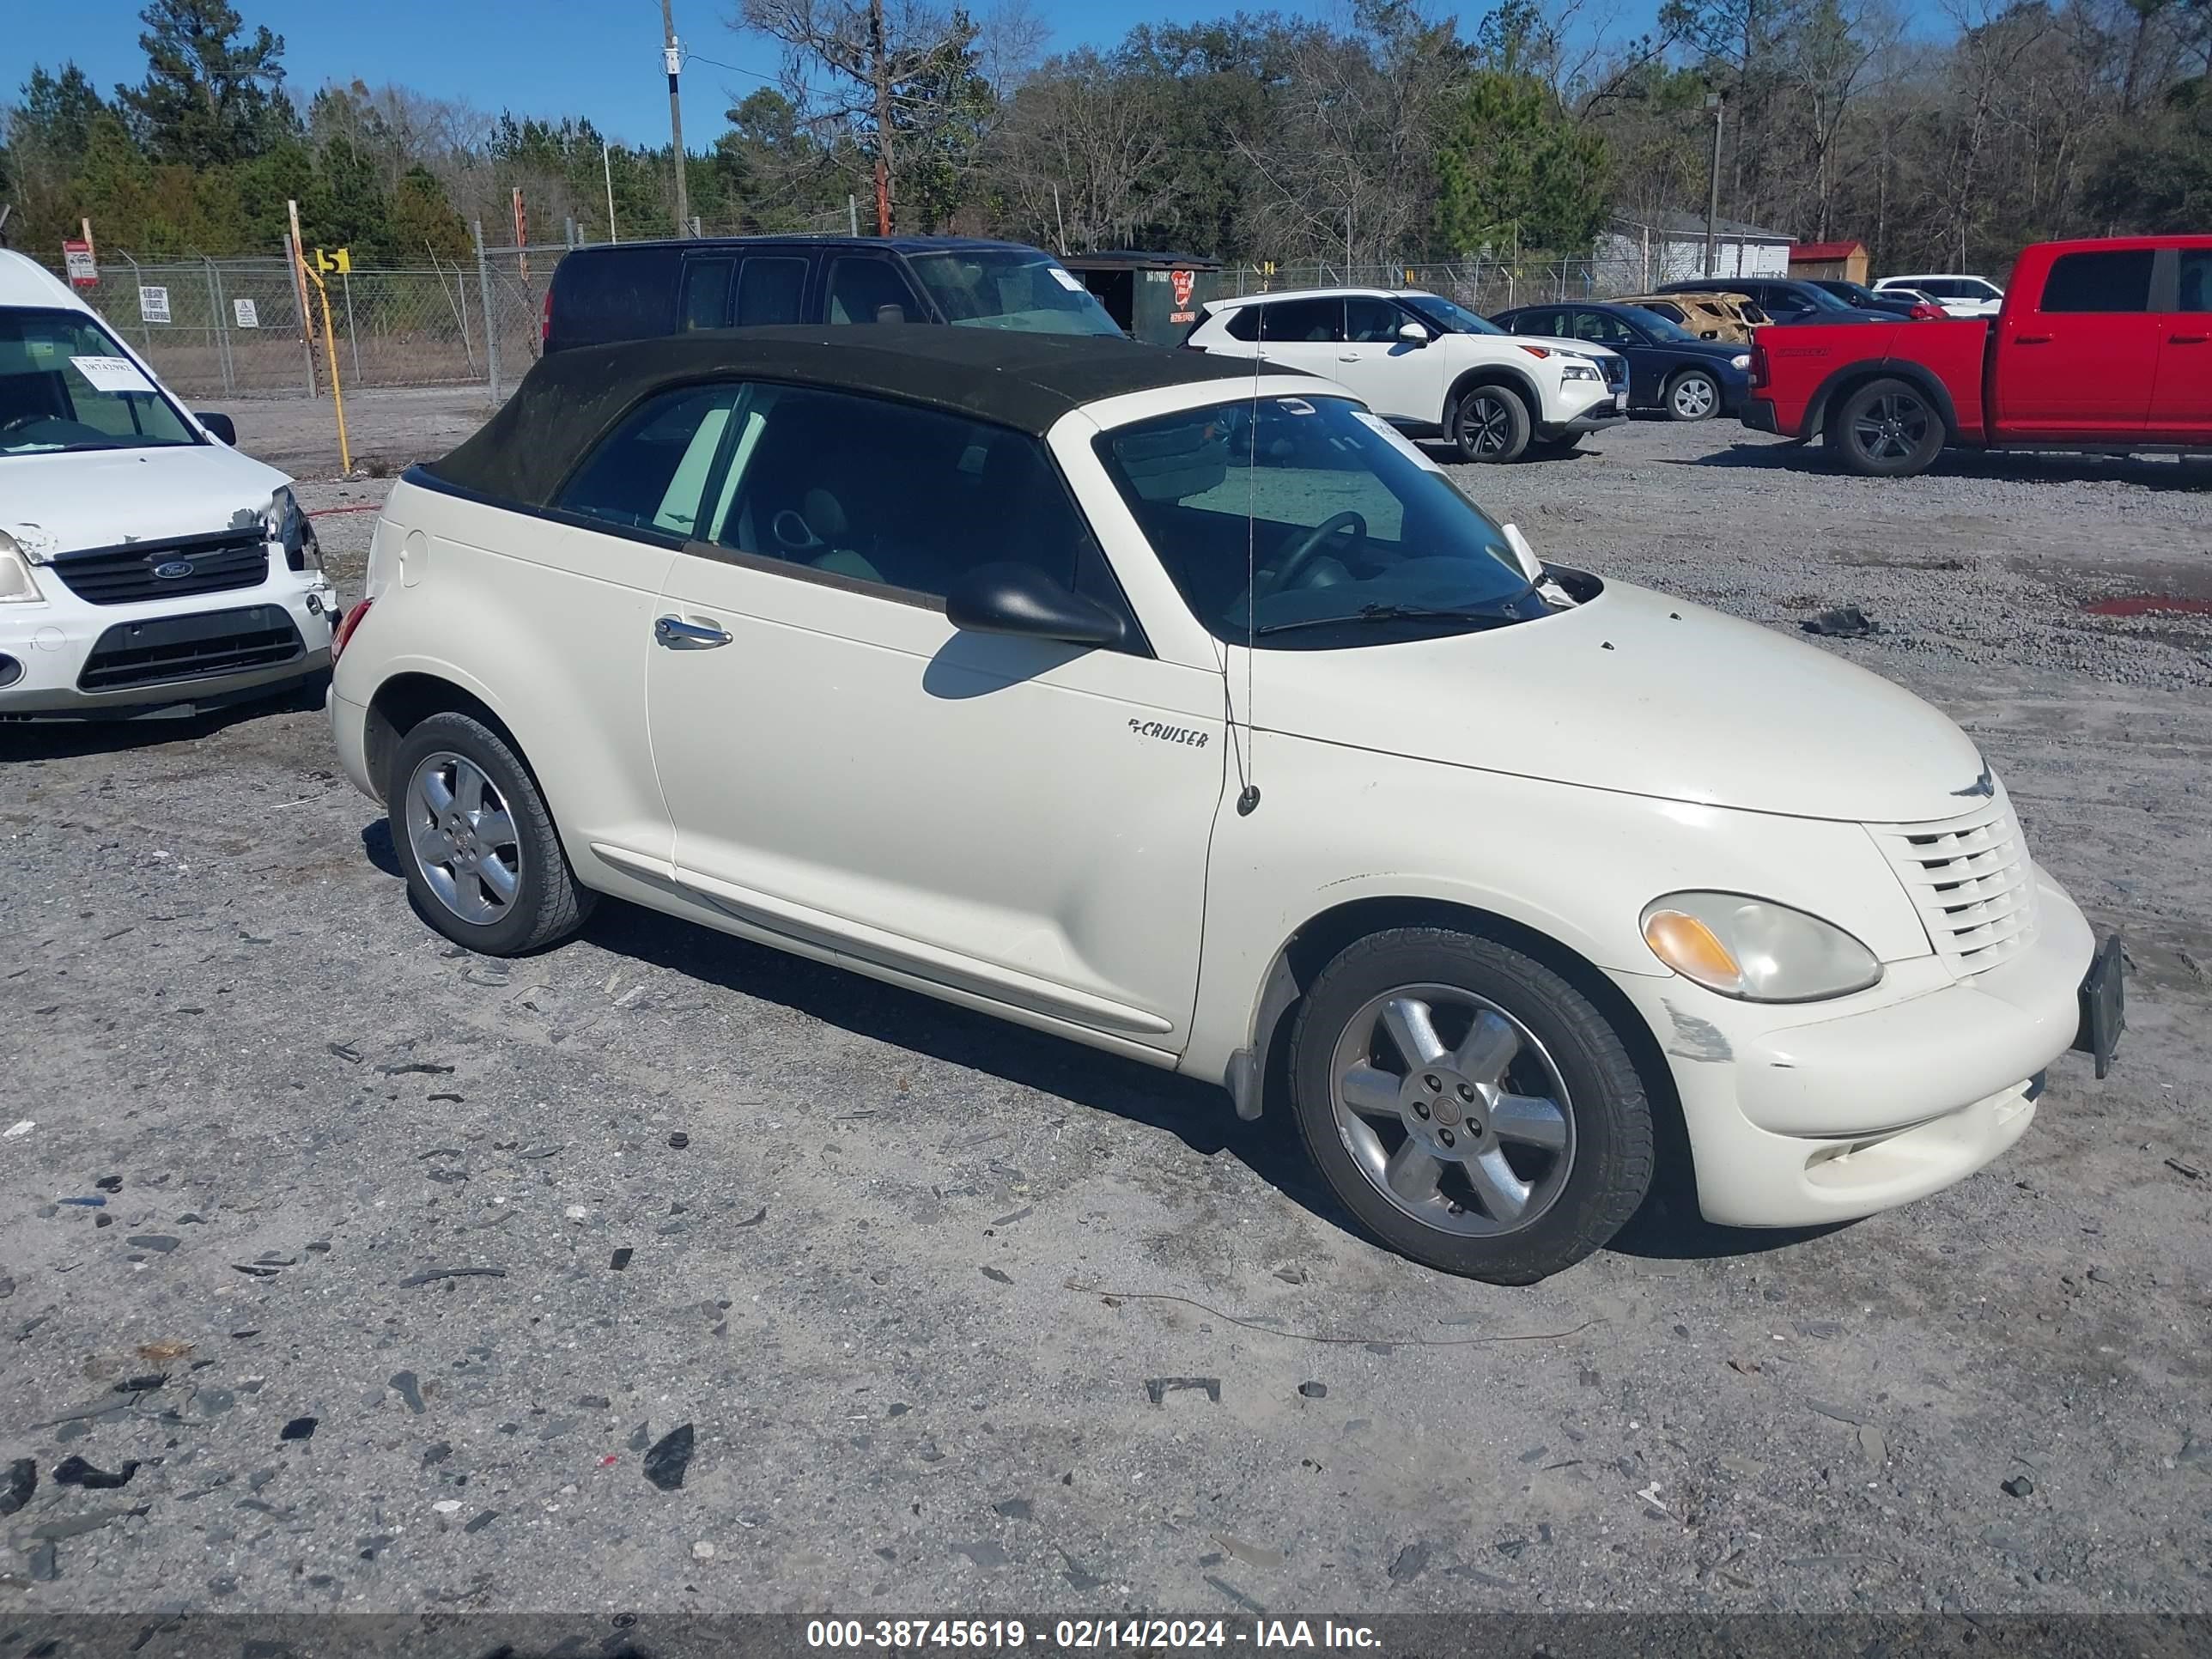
<point>1669,369</point>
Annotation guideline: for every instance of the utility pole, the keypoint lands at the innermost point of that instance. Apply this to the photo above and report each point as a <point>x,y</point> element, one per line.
<point>607,168</point>
<point>672,56</point>
<point>1715,103</point>
<point>880,73</point>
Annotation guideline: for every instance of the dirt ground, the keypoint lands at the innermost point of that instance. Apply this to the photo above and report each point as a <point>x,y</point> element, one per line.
<point>388,1274</point>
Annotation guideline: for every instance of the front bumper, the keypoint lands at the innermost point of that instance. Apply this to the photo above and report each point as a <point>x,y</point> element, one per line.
<point>1795,1121</point>
<point>54,643</point>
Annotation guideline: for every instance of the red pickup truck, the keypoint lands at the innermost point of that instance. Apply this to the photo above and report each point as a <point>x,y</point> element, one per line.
<point>2100,345</point>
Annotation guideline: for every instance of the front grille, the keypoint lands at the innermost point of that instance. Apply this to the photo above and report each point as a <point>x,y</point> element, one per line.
<point>197,647</point>
<point>122,576</point>
<point>1969,877</point>
<point>1615,370</point>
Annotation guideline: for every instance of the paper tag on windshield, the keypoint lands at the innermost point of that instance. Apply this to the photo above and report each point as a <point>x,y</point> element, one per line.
<point>118,374</point>
<point>1395,439</point>
<point>1067,279</point>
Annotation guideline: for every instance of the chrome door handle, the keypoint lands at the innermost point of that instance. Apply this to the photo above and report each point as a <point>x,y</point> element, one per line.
<point>680,635</point>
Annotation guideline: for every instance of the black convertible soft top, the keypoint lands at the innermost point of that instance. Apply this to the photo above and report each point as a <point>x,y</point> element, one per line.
<point>1026,381</point>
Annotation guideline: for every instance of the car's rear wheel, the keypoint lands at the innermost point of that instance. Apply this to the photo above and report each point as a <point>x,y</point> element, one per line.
<point>1692,395</point>
<point>1468,1104</point>
<point>1490,423</point>
<point>483,860</point>
<point>1886,429</point>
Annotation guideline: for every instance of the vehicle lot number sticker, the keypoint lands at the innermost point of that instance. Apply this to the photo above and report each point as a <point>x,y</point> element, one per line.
<point>1065,279</point>
<point>117,374</point>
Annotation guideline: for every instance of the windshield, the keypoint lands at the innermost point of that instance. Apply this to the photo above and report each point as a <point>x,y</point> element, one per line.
<point>1658,327</point>
<point>1308,523</point>
<point>64,384</point>
<point>1451,319</point>
<point>1007,288</point>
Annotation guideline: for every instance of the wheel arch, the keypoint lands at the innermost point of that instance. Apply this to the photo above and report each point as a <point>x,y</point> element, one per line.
<point>404,700</point>
<point>1262,1067</point>
<point>1831,392</point>
<point>1513,380</point>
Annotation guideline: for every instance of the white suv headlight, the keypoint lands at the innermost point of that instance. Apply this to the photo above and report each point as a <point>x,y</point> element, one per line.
<point>17,584</point>
<point>1579,368</point>
<point>1755,950</point>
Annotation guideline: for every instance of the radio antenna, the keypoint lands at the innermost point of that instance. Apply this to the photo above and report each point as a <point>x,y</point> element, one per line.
<point>1248,753</point>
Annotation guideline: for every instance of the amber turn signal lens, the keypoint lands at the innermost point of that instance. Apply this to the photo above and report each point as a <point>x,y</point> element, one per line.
<point>1691,948</point>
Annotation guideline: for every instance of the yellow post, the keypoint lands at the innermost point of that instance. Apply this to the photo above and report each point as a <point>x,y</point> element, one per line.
<point>331,352</point>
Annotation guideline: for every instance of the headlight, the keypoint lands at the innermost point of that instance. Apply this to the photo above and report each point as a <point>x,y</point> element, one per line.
<point>17,585</point>
<point>288,524</point>
<point>1742,359</point>
<point>1756,950</point>
<point>1579,371</point>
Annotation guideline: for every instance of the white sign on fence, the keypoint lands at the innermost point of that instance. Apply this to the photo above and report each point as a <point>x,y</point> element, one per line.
<point>154,305</point>
<point>244,311</point>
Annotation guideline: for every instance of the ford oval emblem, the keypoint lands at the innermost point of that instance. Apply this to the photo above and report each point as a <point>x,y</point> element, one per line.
<point>174,570</point>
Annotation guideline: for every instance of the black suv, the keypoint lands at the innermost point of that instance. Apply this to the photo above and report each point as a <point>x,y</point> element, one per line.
<point>641,290</point>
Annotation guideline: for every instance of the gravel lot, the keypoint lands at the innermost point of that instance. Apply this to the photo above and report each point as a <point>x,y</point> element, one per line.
<point>955,1317</point>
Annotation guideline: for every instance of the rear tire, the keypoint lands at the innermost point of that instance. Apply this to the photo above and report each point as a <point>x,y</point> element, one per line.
<point>1691,395</point>
<point>1490,424</point>
<point>1521,1142</point>
<point>1886,429</point>
<point>484,863</point>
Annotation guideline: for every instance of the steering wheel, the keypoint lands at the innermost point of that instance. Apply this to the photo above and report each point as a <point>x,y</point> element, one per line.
<point>1309,547</point>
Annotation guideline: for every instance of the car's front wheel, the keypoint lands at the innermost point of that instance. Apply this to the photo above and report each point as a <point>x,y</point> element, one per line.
<point>1490,423</point>
<point>1692,395</point>
<point>1886,429</point>
<point>1468,1104</point>
<point>483,860</point>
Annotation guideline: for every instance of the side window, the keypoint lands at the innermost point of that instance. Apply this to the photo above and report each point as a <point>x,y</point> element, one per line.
<point>652,472</point>
<point>614,293</point>
<point>1784,302</point>
<point>2196,280</point>
<point>1372,322</point>
<point>1596,325</point>
<point>1542,325</point>
<point>1302,321</point>
<point>771,288</point>
<point>865,290</point>
<point>807,486</point>
<point>705,302</point>
<point>2115,282</point>
<point>1243,322</point>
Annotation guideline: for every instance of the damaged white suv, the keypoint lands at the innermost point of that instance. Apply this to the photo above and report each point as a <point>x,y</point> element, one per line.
<point>144,563</point>
<point>1197,717</point>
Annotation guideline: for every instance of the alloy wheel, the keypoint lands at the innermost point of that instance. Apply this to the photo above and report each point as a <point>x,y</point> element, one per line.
<point>1453,1109</point>
<point>462,836</point>
<point>1693,398</point>
<point>1892,427</point>
<point>1485,426</point>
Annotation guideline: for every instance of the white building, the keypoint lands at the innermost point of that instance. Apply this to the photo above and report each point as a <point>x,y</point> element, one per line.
<point>1637,253</point>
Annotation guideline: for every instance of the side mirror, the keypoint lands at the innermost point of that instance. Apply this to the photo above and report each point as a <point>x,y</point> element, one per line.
<point>1021,600</point>
<point>1413,334</point>
<point>218,426</point>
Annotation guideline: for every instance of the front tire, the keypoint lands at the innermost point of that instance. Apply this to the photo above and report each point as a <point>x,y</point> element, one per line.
<point>484,863</point>
<point>1469,1105</point>
<point>1490,424</point>
<point>1692,395</point>
<point>1886,429</point>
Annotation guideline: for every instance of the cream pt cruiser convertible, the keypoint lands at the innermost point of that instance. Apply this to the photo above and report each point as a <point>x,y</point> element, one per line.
<point>1181,708</point>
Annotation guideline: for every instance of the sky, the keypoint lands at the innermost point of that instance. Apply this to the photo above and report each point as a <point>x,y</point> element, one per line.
<point>599,58</point>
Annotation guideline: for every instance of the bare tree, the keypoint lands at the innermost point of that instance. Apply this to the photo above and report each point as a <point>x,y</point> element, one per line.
<point>1083,156</point>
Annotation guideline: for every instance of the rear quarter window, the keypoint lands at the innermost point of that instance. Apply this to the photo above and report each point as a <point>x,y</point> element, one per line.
<point>602,294</point>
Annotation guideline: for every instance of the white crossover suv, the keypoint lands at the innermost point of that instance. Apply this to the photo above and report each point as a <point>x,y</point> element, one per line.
<point>1430,366</point>
<point>1198,717</point>
<point>144,563</point>
<point>1959,295</point>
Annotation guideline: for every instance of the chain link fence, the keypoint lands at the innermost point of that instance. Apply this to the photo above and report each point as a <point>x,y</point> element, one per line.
<point>234,328</point>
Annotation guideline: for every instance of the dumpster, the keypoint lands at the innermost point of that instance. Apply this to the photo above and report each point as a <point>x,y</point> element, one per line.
<point>1155,297</point>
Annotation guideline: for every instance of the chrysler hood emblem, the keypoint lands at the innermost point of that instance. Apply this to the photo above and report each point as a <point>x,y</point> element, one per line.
<point>1985,785</point>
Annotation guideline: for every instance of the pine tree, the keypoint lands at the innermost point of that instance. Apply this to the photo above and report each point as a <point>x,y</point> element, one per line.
<point>208,99</point>
<point>422,221</point>
<point>1514,171</point>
